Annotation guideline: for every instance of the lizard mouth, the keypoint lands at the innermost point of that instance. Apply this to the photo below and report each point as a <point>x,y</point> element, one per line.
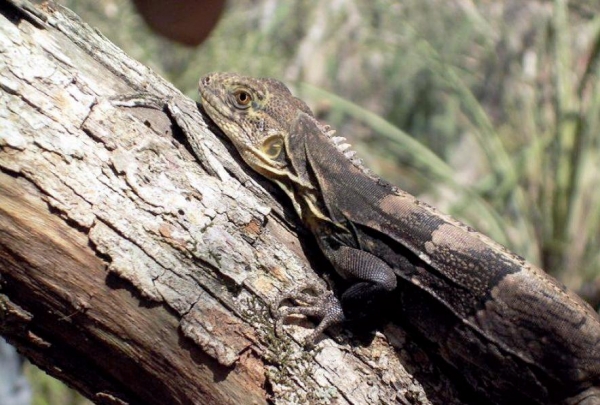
<point>209,100</point>
<point>214,103</point>
<point>218,111</point>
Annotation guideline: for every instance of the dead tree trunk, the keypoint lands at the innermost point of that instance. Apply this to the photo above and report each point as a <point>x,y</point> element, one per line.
<point>137,273</point>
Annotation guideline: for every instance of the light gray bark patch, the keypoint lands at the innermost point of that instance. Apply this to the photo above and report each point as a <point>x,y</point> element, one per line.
<point>180,290</point>
<point>213,328</point>
<point>99,122</point>
<point>225,252</point>
<point>128,260</point>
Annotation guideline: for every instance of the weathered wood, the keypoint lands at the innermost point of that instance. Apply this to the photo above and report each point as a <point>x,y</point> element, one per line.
<point>133,271</point>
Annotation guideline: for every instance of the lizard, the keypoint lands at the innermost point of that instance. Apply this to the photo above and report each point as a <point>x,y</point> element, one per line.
<point>513,332</point>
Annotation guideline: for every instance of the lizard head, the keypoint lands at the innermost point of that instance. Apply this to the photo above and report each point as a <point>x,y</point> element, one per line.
<point>255,114</point>
<point>268,126</point>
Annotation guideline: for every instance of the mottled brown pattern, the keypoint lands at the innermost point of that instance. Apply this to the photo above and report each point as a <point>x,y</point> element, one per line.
<point>514,333</point>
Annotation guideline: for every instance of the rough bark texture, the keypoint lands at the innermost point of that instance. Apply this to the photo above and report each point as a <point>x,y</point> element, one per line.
<point>137,273</point>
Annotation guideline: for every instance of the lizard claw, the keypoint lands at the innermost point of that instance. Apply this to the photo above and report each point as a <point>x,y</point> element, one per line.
<point>306,294</point>
<point>321,305</point>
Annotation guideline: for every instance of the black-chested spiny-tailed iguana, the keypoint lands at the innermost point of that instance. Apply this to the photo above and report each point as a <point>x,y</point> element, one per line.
<point>510,329</point>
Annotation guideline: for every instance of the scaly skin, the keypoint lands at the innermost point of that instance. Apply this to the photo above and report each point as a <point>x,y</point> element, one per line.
<point>514,333</point>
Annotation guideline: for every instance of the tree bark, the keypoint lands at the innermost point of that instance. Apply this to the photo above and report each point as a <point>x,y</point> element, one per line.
<point>138,273</point>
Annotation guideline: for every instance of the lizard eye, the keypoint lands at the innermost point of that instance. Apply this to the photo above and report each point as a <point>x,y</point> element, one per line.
<point>242,98</point>
<point>272,147</point>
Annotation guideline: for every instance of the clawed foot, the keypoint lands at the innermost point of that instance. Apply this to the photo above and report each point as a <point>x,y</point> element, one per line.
<point>309,300</point>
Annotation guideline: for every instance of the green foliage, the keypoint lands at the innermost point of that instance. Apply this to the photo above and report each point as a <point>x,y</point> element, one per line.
<point>48,391</point>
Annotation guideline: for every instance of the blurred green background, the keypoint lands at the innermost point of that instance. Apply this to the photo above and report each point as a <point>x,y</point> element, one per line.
<point>488,110</point>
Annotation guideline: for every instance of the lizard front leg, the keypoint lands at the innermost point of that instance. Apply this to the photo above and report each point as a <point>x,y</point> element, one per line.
<point>371,277</point>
